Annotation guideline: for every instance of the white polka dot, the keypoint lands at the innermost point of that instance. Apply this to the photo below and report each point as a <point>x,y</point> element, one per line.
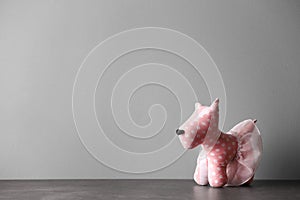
<point>215,161</point>
<point>216,181</point>
<point>217,150</point>
<point>193,132</point>
<point>203,123</point>
<point>213,173</point>
<point>218,142</point>
<point>220,157</point>
<point>212,154</point>
<point>218,168</point>
<point>223,145</point>
<point>220,176</point>
<point>198,127</point>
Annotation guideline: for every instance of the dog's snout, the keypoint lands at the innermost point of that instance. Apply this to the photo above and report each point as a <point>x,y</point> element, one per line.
<point>179,132</point>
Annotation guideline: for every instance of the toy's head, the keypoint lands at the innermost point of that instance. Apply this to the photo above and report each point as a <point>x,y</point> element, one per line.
<point>192,132</point>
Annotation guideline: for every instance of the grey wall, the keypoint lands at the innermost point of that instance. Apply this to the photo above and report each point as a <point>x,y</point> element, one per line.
<point>255,45</point>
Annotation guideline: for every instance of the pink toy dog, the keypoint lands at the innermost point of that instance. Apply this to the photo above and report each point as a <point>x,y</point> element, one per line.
<point>227,159</point>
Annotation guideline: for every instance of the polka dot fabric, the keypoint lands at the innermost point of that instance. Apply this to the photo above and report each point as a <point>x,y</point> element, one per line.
<point>195,127</point>
<point>227,159</point>
<point>222,153</point>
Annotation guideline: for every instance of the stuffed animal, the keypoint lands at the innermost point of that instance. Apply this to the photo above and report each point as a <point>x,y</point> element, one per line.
<point>226,159</point>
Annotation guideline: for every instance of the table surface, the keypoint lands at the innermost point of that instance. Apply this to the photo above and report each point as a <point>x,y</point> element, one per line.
<point>144,189</point>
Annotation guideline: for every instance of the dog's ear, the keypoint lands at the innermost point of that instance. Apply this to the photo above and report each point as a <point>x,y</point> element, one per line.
<point>215,104</point>
<point>197,105</point>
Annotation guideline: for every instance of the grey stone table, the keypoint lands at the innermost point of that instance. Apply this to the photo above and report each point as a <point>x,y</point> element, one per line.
<point>143,189</point>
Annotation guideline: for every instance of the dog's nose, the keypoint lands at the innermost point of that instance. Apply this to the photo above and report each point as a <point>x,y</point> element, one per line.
<point>179,132</point>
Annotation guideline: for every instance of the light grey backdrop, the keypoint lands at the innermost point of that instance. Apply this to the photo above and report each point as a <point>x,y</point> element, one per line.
<point>255,45</point>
